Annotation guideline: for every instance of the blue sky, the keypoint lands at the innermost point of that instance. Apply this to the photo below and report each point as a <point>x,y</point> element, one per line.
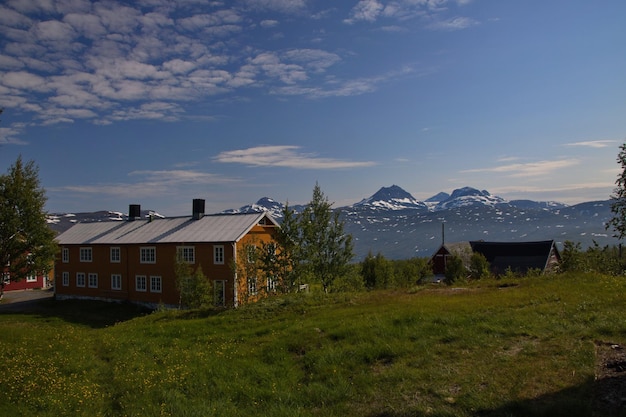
<point>157,102</point>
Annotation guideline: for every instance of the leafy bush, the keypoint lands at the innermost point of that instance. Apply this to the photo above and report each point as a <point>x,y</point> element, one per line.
<point>455,270</point>
<point>479,266</point>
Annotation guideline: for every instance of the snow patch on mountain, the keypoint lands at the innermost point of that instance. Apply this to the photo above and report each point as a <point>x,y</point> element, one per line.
<point>265,204</point>
<point>468,196</point>
<point>391,198</point>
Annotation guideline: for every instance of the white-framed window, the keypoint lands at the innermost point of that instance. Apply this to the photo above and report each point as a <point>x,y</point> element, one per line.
<point>86,255</point>
<point>251,254</point>
<point>65,279</point>
<point>155,283</point>
<point>147,255</point>
<point>92,280</point>
<point>252,286</point>
<point>116,281</point>
<point>32,277</point>
<point>6,278</point>
<point>187,254</point>
<point>65,255</point>
<point>140,283</point>
<point>218,254</point>
<point>80,279</point>
<point>116,255</point>
<point>271,284</point>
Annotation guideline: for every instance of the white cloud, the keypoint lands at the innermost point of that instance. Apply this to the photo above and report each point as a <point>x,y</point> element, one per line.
<point>367,10</point>
<point>149,183</point>
<point>456,23</point>
<point>530,169</point>
<point>23,80</point>
<point>110,58</point>
<point>9,136</point>
<point>53,30</point>
<point>10,63</point>
<point>593,143</point>
<point>268,23</point>
<point>285,156</point>
<point>88,25</point>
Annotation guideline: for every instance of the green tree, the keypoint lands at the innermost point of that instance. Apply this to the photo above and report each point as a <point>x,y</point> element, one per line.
<point>193,286</point>
<point>325,250</point>
<point>280,258</point>
<point>377,272</point>
<point>27,244</point>
<point>618,198</point>
<point>479,266</point>
<point>455,270</point>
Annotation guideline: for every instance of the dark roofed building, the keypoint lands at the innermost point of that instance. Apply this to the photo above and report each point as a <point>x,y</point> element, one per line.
<point>519,257</point>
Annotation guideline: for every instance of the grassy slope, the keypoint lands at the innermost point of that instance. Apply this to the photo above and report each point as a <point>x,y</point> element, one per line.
<point>485,349</point>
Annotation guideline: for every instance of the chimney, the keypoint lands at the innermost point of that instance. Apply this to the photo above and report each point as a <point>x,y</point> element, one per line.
<point>134,211</point>
<point>198,208</point>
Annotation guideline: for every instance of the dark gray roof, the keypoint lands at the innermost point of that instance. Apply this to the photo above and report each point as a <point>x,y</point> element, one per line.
<point>211,228</point>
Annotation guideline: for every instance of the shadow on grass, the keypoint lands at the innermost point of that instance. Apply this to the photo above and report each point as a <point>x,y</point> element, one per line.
<point>94,314</point>
<point>596,398</point>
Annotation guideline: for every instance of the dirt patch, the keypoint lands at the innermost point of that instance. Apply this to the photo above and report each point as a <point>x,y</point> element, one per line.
<point>609,392</point>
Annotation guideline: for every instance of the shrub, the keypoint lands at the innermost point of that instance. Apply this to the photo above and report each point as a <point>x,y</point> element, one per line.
<point>455,270</point>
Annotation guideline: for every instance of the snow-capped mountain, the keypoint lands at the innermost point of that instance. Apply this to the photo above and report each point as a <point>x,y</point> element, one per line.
<point>273,207</point>
<point>391,198</point>
<point>530,204</point>
<point>392,222</point>
<point>468,196</point>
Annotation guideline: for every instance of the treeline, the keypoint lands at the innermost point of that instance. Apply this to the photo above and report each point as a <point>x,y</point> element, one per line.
<point>607,260</point>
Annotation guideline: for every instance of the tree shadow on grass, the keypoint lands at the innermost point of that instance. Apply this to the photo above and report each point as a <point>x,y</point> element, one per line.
<point>602,397</point>
<point>94,314</point>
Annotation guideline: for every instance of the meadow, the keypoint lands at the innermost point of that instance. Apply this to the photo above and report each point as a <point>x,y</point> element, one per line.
<point>518,347</point>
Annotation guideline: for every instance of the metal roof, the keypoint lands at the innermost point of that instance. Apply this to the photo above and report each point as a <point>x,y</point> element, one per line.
<point>211,228</point>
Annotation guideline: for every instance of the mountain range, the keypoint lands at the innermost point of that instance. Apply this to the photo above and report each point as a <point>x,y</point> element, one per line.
<point>394,223</point>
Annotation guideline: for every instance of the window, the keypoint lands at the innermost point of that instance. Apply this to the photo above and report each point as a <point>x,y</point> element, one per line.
<point>32,277</point>
<point>6,278</point>
<point>155,284</point>
<point>80,279</point>
<point>86,255</point>
<point>140,282</point>
<point>65,255</point>
<point>251,286</point>
<point>92,280</point>
<point>116,282</point>
<point>251,253</point>
<point>218,255</point>
<point>271,284</point>
<point>147,255</point>
<point>115,255</point>
<point>65,281</point>
<point>187,254</point>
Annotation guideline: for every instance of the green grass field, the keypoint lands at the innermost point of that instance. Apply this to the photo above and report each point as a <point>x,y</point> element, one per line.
<point>510,348</point>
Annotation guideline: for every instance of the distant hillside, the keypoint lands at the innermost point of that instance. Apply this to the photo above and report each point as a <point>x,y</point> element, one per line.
<point>394,223</point>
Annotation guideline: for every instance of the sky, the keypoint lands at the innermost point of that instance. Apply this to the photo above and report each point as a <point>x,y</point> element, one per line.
<point>158,102</point>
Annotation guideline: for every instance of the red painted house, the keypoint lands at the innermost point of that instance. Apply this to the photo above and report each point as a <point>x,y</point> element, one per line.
<point>31,282</point>
<point>135,260</point>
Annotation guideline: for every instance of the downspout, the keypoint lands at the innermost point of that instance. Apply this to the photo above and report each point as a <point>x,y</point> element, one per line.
<point>235,284</point>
